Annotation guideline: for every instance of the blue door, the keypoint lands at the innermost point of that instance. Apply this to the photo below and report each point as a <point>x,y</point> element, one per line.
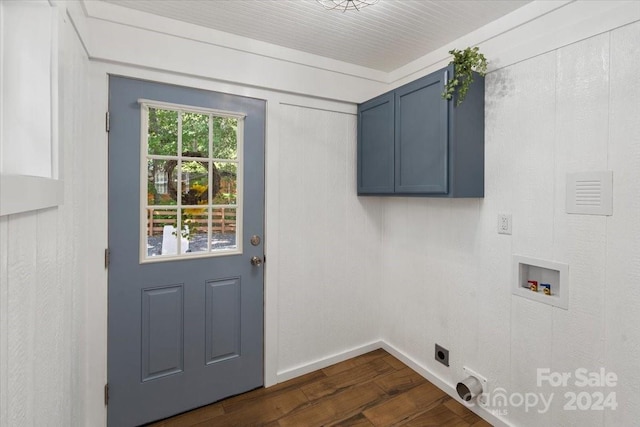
<point>186,221</point>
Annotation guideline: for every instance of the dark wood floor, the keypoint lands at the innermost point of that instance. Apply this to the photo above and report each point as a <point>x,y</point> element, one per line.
<point>374,389</point>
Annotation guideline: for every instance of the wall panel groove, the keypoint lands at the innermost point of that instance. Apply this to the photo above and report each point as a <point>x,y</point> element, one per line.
<point>44,373</point>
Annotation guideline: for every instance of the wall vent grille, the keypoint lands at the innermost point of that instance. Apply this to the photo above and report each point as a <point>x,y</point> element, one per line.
<point>590,193</point>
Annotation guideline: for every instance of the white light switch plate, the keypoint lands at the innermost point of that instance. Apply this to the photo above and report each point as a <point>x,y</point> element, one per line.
<point>504,223</point>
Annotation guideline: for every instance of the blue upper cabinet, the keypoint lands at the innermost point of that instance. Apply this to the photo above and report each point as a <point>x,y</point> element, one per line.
<point>421,138</point>
<point>421,144</point>
<point>375,145</point>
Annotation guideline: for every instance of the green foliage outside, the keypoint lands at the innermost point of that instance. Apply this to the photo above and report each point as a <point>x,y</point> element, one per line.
<point>163,140</point>
<point>163,134</point>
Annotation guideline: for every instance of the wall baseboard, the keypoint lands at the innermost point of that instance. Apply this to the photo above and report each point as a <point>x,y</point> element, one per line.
<point>327,361</point>
<point>443,385</point>
<point>404,358</point>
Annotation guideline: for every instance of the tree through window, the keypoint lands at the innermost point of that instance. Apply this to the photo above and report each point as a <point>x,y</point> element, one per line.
<point>192,181</point>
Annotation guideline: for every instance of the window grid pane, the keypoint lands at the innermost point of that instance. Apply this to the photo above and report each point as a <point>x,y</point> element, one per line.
<point>191,184</point>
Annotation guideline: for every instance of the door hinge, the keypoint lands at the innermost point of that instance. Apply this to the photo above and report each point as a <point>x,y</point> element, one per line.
<point>107,122</point>
<point>106,394</point>
<point>107,258</point>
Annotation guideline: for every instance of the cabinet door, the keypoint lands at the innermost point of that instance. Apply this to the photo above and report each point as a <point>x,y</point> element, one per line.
<point>375,145</point>
<point>421,135</point>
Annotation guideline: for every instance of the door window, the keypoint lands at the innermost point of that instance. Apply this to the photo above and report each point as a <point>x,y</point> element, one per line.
<point>190,183</point>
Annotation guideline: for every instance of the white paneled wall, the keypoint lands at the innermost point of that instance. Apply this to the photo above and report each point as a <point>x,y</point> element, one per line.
<point>329,241</point>
<point>447,273</point>
<point>582,102</point>
<point>621,296</point>
<point>43,277</point>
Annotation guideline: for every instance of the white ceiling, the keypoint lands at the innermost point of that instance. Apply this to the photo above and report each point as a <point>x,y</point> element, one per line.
<point>384,36</point>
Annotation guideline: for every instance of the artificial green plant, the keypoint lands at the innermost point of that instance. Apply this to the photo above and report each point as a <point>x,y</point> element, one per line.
<point>465,62</point>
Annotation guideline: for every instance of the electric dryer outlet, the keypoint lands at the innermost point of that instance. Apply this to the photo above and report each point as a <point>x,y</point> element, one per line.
<point>442,355</point>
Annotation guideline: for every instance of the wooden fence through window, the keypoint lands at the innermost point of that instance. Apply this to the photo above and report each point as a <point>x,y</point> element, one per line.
<point>223,221</point>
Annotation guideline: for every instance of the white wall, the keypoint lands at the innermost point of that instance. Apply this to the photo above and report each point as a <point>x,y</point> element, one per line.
<point>45,371</point>
<point>329,242</point>
<point>447,273</point>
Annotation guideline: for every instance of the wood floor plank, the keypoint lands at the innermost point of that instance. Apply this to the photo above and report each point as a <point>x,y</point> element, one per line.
<point>261,411</point>
<point>440,416</point>
<point>374,389</point>
<point>191,418</point>
<point>336,408</point>
<point>238,402</point>
<point>405,406</point>
<point>356,361</point>
<point>358,420</point>
<point>338,382</point>
<point>481,423</point>
<point>462,411</point>
<point>394,362</point>
<point>400,381</point>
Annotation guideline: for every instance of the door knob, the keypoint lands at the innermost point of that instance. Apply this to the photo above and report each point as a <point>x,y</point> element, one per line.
<point>256,260</point>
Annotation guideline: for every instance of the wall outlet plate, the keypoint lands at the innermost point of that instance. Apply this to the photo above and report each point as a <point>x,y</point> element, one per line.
<point>504,223</point>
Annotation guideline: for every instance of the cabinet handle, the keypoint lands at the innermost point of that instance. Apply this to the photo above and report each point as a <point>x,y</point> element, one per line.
<point>446,77</point>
